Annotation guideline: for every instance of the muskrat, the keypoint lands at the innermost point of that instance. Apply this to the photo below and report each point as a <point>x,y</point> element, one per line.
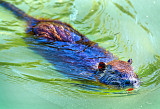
<point>74,53</point>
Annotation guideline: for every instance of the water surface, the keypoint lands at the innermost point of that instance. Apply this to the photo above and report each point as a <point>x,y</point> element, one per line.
<point>128,29</point>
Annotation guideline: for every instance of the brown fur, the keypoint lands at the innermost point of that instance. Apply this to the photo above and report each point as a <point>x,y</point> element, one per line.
<point>121,66</point>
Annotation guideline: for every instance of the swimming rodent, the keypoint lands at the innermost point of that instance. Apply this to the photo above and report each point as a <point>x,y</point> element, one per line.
<point>74,54</point>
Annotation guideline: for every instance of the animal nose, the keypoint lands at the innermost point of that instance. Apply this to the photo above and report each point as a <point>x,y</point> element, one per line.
<point>134,81</point>
<point>131,82</point>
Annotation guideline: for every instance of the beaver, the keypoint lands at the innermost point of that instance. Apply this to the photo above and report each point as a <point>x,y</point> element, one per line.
<point>74,53</point>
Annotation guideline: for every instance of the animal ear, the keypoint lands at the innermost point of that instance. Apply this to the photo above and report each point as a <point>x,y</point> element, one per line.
<point>101,66</point>
<point>130,61</point>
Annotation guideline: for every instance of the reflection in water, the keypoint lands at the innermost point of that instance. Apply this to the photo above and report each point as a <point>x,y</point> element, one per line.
<point>96,21</point>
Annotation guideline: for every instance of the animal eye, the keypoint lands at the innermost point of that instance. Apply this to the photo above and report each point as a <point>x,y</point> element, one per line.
<point>115,72</point>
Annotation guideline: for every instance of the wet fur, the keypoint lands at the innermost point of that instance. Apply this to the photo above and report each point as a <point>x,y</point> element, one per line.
<point>68,50</point>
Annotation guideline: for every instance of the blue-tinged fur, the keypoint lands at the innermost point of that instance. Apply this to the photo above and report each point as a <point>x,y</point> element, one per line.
<point>16,11</point>
<point>74,54</point>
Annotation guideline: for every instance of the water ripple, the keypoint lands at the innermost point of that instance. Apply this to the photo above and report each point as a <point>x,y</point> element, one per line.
<point>98,24</point>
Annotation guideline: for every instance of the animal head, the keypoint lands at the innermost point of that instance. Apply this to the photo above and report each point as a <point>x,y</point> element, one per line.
<point>118,73</point>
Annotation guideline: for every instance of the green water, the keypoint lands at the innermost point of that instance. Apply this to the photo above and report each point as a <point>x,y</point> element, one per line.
<point>129,29</point>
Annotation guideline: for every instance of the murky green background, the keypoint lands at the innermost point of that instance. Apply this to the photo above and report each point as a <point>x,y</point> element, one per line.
<point>129,29</point>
